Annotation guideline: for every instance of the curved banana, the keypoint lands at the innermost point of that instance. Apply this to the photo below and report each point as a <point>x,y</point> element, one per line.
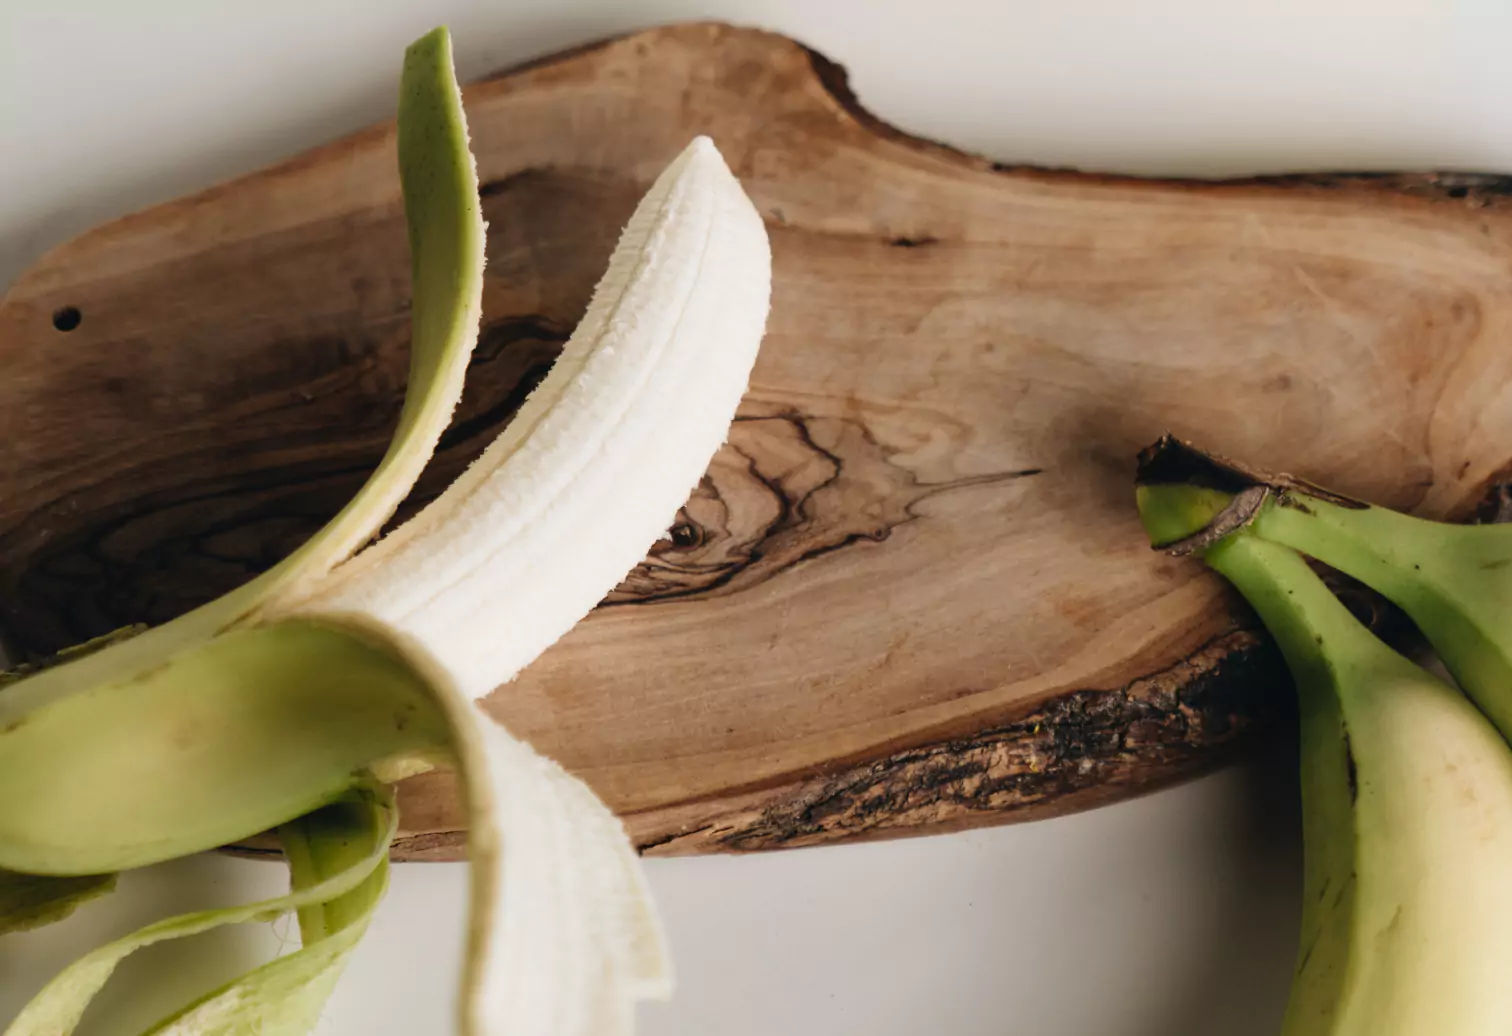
<point>1407,806</point>
<point>454,603</point>
<point>549,520</point>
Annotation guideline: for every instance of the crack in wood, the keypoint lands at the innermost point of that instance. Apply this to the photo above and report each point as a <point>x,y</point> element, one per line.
<point>816,485</point>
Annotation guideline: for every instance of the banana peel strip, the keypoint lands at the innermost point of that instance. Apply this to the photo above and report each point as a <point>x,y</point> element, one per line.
<point>446,235</point>
<point>285,997</point>
<point>56,1010</point>
<point>32,900</point>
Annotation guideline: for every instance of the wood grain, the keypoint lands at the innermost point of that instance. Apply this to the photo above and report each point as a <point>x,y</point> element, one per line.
<point>911,593</point>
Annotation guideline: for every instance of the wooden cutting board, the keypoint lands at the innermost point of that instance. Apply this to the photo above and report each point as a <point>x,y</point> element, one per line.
<point>912,593</point>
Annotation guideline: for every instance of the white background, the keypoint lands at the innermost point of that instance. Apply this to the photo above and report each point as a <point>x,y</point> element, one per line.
<point>1169,916</point>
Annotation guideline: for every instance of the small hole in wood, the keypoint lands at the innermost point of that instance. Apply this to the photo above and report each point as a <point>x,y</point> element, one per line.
<point>684,535</point>
<point>1458,192</point>
<point>67,318</point>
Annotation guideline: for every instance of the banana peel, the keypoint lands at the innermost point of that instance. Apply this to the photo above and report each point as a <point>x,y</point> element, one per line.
<point>370,661</point>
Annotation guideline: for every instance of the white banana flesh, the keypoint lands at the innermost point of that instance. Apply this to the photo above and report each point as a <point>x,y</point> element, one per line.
<point>541,528</point>
<point>591,471</point>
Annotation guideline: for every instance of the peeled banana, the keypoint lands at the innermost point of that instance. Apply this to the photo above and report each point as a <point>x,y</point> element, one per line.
<point>344,667</point>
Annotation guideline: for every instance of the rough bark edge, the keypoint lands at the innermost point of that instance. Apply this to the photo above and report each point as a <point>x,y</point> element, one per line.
<point>1074,751</point>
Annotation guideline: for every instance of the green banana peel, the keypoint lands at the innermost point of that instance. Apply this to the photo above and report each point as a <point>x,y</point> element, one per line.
<point>352,710</point>
<point>330,841</point>
<point>446,234</point>
<point>31,900</point>
<point>1331,658</point>
<point>1330,655</point>
<point>563,938</point>
<point>285,997</point>
<point>1453,581</point>
<point>446,247</point>
<point>445,227</point>
<point>56,1010</point>
<point>256,727</point>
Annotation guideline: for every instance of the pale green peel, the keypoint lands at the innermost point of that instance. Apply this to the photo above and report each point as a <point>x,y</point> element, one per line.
<point>150,778</point>
<point>188,736</point>
<point>252,730</point>
<point>285,997</point>
<point>327,842</point>
<point>1331,656</point>
<point>31,901</point>
<point>446,237</point>
<point>444,219</point>
<point>446,234</point>
<point>1453,581</point>
<point>17,673</point>
<point>151,677</point>
<point>56,1010</point>
<point>570,941</point>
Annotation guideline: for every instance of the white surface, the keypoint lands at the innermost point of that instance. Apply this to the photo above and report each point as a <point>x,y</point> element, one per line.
<point>1169,916</point>
<point>1173,915</point>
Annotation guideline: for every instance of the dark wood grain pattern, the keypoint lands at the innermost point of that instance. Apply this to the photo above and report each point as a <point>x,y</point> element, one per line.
<point>911,593</point>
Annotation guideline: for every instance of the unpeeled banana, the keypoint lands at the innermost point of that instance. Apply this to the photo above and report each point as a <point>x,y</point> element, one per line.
<point>1406,785</point>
